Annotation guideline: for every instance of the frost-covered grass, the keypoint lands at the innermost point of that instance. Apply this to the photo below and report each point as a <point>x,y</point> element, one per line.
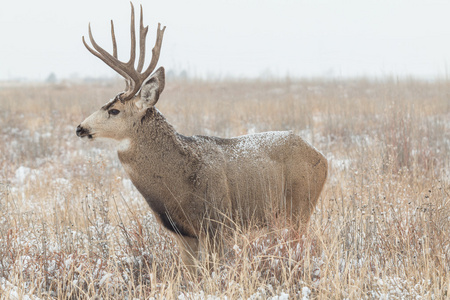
<point>73,226</point>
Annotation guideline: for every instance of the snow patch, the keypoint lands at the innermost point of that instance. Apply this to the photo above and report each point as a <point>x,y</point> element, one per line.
<point>281,296</point>
<point>24,173</point>
<point>13,292</point>
<point>306,292</point>
<point>252,143</point>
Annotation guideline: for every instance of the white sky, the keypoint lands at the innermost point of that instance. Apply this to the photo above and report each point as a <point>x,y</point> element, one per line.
<point>233,38</point>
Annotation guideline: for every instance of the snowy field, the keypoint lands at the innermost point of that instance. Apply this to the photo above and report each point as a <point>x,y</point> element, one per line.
<point>72,226</point>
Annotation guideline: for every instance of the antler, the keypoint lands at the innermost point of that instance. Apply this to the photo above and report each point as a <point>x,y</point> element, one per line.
<point>133,77</point>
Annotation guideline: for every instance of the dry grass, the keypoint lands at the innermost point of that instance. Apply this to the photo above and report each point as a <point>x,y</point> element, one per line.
<point>72,226</point>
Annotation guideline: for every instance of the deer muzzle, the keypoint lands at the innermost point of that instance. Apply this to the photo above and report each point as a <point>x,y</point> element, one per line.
<point>82,132</point>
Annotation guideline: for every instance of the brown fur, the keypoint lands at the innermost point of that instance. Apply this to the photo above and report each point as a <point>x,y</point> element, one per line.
<point>198,185</point>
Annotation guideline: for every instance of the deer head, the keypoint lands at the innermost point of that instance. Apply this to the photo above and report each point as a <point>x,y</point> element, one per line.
<point>115,118</point>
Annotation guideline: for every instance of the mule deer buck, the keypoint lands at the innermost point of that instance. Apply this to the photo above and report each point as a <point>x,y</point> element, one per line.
<point>196,184</point>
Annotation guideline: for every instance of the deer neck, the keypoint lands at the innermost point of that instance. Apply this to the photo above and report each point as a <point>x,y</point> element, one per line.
<point>157,158</point>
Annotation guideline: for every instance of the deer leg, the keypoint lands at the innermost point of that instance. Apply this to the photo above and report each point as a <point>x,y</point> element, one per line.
<point>299,206</point>
<point>190,252</point>
<point>214,250</point>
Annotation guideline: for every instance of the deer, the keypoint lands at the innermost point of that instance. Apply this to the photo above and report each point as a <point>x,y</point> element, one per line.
<point>198,185</point>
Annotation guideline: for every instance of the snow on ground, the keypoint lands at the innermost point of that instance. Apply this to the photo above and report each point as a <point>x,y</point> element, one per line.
<point>41,177</point>
<point>12,292</point>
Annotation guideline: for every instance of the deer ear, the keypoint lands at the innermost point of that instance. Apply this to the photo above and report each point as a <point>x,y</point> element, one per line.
<point>151,89</point>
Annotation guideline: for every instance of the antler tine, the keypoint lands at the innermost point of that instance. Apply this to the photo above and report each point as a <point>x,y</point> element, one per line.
<point>104,56</point>
<point>155,51</point>
<point>142,37</point>
<point>113,36</point>
<point>133,39</point>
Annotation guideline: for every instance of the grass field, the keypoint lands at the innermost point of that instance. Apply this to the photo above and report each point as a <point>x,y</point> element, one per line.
<point>73,226</point>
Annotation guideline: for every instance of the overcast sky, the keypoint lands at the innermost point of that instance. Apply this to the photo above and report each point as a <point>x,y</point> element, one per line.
<point>245,38</point>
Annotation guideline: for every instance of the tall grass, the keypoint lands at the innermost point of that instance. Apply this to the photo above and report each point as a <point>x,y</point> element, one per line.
<point>73,226</point>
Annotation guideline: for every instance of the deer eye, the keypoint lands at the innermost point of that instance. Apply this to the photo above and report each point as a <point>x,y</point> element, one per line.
<point>113,112</point>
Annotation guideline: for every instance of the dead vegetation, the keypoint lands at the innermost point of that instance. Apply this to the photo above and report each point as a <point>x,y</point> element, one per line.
<point>73,226</point>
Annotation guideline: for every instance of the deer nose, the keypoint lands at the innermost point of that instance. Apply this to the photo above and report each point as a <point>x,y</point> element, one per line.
<point>80,130</point>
